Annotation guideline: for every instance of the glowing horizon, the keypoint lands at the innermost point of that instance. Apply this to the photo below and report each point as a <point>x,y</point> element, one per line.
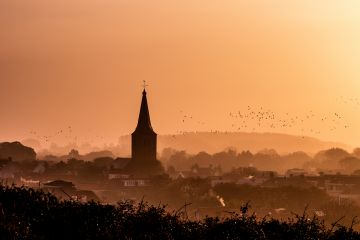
<point>81,64</point>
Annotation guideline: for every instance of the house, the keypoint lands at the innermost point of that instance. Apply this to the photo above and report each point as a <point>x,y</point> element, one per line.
<point>121,179</point>
<point>59,184</point>
<point>66,191</point>
<point>120,163</point>
<point>220,180</point>
<point>295,172</point>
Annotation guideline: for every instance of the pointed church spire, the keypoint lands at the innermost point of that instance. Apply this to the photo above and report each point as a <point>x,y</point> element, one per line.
<point>144,123</point>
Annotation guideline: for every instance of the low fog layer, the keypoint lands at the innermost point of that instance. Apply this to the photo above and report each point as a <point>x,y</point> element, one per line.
<point>193,143</point>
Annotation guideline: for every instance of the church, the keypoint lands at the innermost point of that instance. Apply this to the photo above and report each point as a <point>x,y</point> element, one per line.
<point>143,162</point>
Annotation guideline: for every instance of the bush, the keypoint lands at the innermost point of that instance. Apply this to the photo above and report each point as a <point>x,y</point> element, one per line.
<point>30,214</point>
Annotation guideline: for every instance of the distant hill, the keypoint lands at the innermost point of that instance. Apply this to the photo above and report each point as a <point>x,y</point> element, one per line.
<point>215,142</point>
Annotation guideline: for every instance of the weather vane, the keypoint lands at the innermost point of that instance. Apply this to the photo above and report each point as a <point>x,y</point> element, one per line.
<point>144,84</point>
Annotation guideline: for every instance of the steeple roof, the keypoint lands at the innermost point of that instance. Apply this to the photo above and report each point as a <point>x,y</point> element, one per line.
<point>144,123</point>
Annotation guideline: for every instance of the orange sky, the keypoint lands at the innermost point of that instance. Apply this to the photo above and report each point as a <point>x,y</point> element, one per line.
<point>80,64</point>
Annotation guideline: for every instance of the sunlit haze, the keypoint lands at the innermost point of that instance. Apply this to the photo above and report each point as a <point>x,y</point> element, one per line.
<point>79,65</point>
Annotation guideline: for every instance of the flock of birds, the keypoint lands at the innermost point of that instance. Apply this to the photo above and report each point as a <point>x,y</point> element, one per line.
<point>260,119</point>
<point>249,118</point>
<point>346,101</point>
<point>65,133</point>
<point>186,117</point>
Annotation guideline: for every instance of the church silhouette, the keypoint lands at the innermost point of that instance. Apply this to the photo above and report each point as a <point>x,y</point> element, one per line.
<point>143,162</point>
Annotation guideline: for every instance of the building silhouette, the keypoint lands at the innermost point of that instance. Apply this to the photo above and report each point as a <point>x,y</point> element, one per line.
<point>143,162</point>
<point>143,139</point>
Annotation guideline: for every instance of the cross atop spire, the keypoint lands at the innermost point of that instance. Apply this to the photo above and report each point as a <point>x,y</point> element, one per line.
<point>144,85</point>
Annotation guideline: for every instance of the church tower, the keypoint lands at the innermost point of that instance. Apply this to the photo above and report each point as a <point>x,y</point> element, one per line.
<point>143,140</point>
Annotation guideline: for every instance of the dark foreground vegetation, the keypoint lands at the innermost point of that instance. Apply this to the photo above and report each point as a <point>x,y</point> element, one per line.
<point>30,214</point>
